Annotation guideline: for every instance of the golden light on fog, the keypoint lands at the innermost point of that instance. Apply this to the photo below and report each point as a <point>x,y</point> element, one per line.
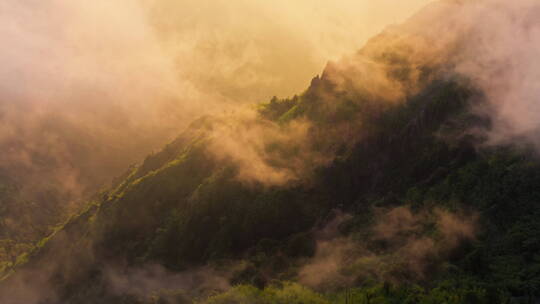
<point>114,71</point>
<point>252,49</point>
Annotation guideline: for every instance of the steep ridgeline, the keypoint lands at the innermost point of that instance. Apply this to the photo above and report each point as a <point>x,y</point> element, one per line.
<point>385,195</point>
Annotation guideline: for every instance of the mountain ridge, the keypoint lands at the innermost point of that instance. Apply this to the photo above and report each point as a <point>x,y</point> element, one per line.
<point>378,181</point>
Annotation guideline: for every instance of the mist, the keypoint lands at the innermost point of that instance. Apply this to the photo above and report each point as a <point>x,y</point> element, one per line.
<point>492,44</point>
<point>89,88</point>
<point>398,248</point>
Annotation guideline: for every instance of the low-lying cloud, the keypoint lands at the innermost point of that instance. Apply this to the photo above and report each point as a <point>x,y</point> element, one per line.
<point>153,279</point>
<point>88,88</point>
<point>402,246</point>
<point>493,43</point>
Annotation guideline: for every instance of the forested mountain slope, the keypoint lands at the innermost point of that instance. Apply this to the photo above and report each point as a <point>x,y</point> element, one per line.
<point>378,184</point>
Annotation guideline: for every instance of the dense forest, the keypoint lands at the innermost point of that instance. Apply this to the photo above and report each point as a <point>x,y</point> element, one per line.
<point>380,183</point>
